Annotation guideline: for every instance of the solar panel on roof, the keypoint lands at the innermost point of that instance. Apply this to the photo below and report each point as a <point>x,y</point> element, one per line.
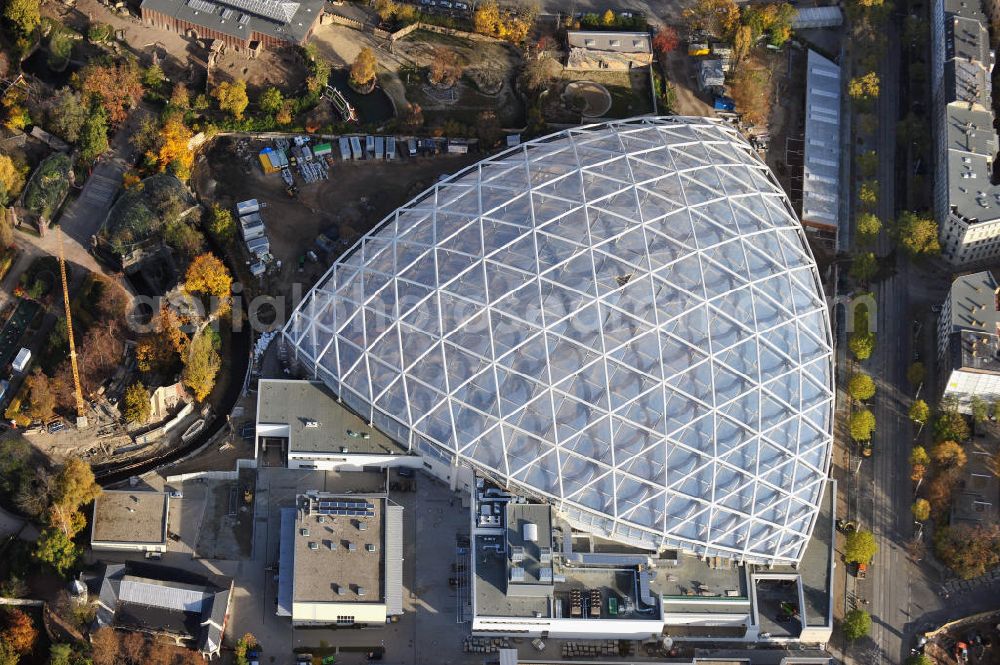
<point>202,6</point>
<point>244,18</point>
<point>226,12</point>
<point>270,9</point>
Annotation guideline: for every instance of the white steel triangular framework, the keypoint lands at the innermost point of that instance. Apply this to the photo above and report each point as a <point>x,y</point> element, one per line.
<point>623,319</point>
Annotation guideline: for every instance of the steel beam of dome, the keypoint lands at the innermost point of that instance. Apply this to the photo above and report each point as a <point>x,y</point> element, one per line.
<point>623,319</point>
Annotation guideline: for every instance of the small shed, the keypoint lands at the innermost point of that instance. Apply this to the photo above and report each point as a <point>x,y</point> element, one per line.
<point>322,149</point>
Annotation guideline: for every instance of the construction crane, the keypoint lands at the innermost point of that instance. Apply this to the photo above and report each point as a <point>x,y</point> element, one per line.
<point>81,408</point>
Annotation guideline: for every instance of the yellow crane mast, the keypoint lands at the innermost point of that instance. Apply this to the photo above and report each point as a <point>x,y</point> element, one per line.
<point>81,408</point>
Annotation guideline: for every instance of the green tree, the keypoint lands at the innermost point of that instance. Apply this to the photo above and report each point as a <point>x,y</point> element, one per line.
<point>243,646</point>
<point>950,426</point>
<point>861,387</point>
<point>921,510</point>
<point>864,87</point>
<point>271,101</point>
<point>861,424</point>
<point>11,179</point>
<point>15,453</point>
<point>57,549</point>
<point>184,238</point>
<point>860,547</point>
<point>24,15</point>
<point>864,267</point>
<point>61,654</point>
<point>93,137</point>
<point>201,365</point>
<point>862,344</point>
<point>920,412</point>
<point>917,234</point>
<point>867,164</point>
<point>137,406</point>
<point>221,224</point>
<point>868,193</point>
<point>153,77</point>
<point>67,114</point>
<point>232,97</point>
<point>980,410</point>
<point>915,373</point>
<point>857,624</point>
<point>868,226</point>
<point>920,659</point>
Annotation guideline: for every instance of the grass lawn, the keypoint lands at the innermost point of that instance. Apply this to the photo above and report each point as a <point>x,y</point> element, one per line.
<point>630,91</point>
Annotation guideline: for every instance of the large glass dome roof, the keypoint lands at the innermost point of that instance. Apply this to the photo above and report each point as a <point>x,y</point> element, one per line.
<point>623,319</point>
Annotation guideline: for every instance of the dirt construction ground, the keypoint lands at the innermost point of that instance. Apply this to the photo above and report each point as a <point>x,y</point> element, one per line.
<point>356,197</point>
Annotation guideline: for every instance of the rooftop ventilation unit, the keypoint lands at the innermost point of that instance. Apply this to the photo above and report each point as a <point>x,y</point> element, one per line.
<point>362,526</point>
<point>516,574</point>
<point>370,547</point>
<point>303,532</point>
<point>314,546</point>
<point>351,547</point>
<point>530,532</point>
<point>332,546</point>
<point>312,423</point>
<point>362,591</point>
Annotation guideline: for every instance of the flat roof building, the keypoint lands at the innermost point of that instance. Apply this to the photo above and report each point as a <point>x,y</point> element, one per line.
<point>822,148</point>
<point>340,560</point>
<point>314,431</point>
<point>966,199</point>
<point>130,521</point>
<point>608,50</point>
<point>969,340</point>
<point>532,573</point>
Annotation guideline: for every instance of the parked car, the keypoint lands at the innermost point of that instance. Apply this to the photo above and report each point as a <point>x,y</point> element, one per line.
<point>56,426</point>
<point>176,494</point>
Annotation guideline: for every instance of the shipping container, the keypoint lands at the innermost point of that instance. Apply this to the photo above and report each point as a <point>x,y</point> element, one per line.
<point>379,147</point>
<point>356,147</point>
<point>345,148</point>
<point>247,207</point>
<point>390,147</point>
<point>369,147</point>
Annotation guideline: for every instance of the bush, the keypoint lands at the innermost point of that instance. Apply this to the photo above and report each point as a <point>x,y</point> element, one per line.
<point>860,547</point>
<point>857,624</point>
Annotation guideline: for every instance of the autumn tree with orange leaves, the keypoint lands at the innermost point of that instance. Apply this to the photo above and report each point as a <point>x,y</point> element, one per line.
<point>172,149</point>
<point>19,634</point>
<point>117,87</point>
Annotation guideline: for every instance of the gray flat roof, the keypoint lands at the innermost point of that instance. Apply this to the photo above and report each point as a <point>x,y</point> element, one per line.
<point>326,568</point>
<point>973,303</point>
<point>821,163</point>
<point>617,42</point>
<point>298,403</point>
<point>971,140</point>
<point>815,568</point>
<point>126,516</point>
